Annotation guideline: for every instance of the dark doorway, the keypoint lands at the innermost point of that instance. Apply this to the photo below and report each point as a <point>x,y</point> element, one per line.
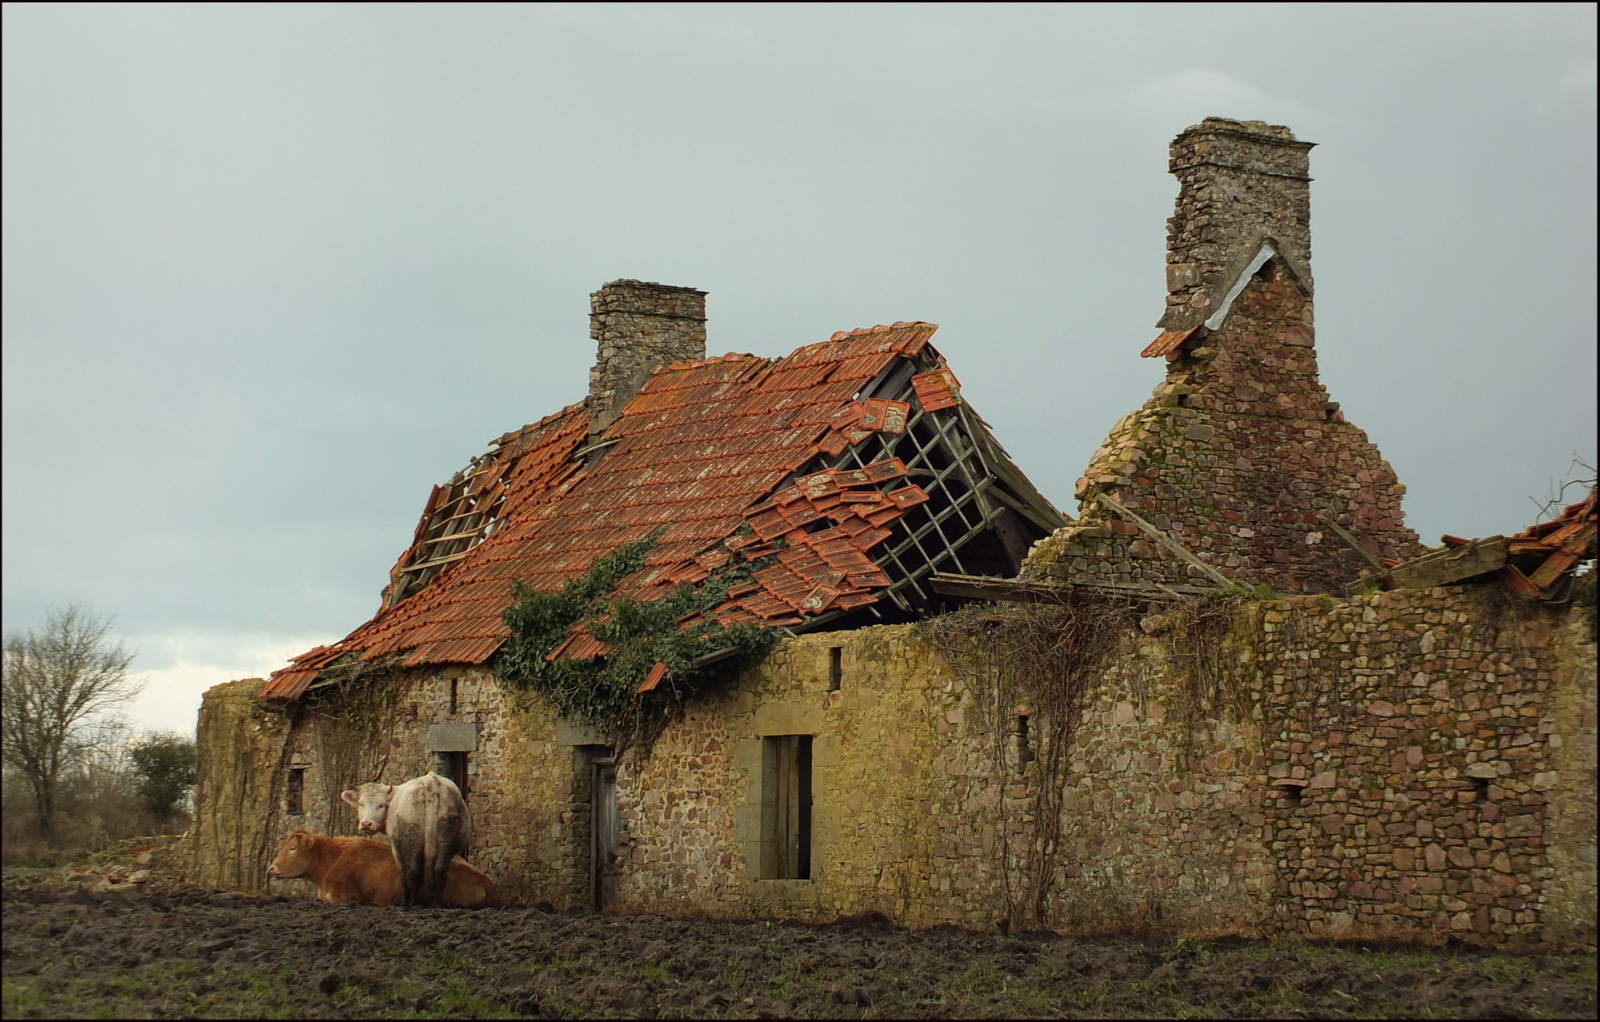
<point>603,826</point>
<point>786,807</point>
<point>454,766</point>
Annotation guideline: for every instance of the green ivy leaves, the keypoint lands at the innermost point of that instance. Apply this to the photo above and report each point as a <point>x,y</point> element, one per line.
<point>603,691</point>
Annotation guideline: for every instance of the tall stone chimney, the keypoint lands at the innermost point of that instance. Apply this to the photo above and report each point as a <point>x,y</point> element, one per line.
<point>1241,184</point>
<point>639,326</point>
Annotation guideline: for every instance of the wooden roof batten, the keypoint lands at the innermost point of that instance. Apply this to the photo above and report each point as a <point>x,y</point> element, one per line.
<point>856,464</point>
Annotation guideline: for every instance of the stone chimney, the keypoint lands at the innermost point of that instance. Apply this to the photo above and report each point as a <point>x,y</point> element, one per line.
<point>639,326</point>
<point>1241,184</point>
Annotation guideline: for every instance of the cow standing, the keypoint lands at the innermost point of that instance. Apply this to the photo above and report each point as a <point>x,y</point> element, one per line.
<point>426,820</point>
<point>362,871</point>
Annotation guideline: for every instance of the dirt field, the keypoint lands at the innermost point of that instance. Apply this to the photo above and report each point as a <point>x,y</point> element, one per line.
<point>158,950</point>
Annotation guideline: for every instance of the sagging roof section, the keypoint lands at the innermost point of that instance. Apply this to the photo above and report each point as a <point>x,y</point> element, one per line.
<point>854,462</point>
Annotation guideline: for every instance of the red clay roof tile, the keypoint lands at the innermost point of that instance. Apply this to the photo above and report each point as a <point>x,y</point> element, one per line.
<point>701,445</point>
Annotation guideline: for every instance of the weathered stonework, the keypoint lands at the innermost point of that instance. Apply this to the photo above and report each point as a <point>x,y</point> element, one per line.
<point>239,768</point>
<point>1239,453</point>
<point>1443,750</point>
<point>1240,183</point>
<point>639,326</point>
<point>1409,765</point>
<point>1393,774</point>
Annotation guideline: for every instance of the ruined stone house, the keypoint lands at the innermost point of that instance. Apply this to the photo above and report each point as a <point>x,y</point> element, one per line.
<point>1407,762</point>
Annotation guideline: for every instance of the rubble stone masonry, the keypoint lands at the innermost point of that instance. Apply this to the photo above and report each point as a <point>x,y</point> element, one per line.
<point>639,326</point>
<point>1412,764</point>
<point>1238,453</point>
<point>1240,183</point>
<point>1408,765</point>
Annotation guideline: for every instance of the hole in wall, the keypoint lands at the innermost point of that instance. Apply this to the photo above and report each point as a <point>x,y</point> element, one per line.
<point>453,692</point>
<point>1019,737</point>
<point>294,791</point>
<point>1479,789</point>
<point>835,668</point>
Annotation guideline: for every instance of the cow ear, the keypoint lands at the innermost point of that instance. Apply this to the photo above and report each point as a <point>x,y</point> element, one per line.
<point>351,796</point>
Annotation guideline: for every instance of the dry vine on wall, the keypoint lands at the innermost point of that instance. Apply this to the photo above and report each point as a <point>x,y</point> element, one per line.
<point>355,731</point>
<point>1031,665</point>
<point>1208,685</point>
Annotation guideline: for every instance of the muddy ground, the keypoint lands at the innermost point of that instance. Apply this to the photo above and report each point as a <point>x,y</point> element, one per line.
<point>156,949</point>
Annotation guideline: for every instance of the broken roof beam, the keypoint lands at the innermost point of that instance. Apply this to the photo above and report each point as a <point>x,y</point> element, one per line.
<point>993,456</point>
<point>1169,543</point>
<point>1351,541</point>
<point>1019,590</point>
<point>1441,567</point>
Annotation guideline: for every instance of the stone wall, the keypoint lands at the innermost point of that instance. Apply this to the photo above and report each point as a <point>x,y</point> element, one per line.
<point>1239,183</point>
<point>1239,453</point>
<point>1409,765</point>
<point>240,755</point>
<point>1237,456</point>
<point>902,792</point>
<point>638,326</point>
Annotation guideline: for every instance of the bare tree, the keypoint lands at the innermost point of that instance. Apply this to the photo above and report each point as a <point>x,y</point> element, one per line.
<point>61,683</point>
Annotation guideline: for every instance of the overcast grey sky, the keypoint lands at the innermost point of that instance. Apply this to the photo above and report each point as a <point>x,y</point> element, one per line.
<point>272,271</point>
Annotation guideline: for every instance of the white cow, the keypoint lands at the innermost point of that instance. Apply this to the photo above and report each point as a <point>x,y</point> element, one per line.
<point>426,820</point>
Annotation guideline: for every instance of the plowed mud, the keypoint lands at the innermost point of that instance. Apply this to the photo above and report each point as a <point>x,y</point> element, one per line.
<point>146,951</point>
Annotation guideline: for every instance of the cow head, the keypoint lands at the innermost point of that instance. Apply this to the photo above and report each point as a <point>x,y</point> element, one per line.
<point>294,858</point>
<point>372,806</point>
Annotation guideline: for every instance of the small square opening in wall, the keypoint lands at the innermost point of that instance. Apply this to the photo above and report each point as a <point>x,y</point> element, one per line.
<point>835,668</point>
<point>786,807</point>
<point>294,792</point>
<point>1290,793</point>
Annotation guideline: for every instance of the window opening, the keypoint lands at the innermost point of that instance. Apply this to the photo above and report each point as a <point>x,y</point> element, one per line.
<point>1480,788</point>
<point>452,695</point>
<point>835,668</point>
<point>786,807</point>
<point>1019,738</point>
<point>294,796</point>
<point>1292,793</point>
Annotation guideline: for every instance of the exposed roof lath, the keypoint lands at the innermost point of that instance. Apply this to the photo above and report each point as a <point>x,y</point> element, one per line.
<point>854,462</point>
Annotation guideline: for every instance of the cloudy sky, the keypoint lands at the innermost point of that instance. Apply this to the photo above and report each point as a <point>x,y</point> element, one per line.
<point>271,271</point>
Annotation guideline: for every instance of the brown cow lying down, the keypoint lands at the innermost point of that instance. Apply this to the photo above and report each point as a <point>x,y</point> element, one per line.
<point>360,870</point>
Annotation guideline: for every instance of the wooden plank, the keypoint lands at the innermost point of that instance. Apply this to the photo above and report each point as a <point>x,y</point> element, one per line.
<point>446,559</point>
<point>1443,567</point>
<point>1168,542</point>
<point>1546,574</point>
<point>1518,583</point>
<point>1352,542</point>
<point>1020,508</point>
<point>1017,590</point>
<point>995,460</point>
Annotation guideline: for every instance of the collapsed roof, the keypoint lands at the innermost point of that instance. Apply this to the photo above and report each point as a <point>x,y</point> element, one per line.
<point>854,465</point>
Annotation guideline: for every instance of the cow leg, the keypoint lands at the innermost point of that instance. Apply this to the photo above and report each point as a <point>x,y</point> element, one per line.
<point>413,884</point>
<point>408,855</point>
<point>439,873</point>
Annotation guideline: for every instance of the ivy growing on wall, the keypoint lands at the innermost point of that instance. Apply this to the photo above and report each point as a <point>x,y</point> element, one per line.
<point>603,692</point>
<point>1043,663</point>
<point>1040,661</point>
